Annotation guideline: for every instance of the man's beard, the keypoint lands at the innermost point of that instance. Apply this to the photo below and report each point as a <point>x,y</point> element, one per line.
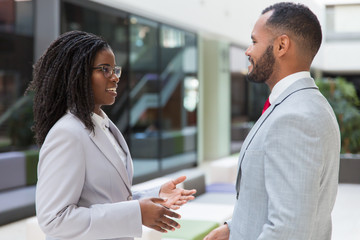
<point>262,71</point>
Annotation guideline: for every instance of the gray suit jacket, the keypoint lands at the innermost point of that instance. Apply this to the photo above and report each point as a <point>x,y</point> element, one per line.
<point>288,170</point>
<point>84,189</point>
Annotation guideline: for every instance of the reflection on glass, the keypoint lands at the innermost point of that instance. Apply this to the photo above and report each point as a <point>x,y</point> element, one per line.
<point>144,97</point>
<point>178,86</point>
<point>16,58</point>
<point>172,38</point>
<point>191,97</point>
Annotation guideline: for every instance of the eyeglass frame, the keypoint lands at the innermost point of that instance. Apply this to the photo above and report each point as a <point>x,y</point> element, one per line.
<point>112,70</point>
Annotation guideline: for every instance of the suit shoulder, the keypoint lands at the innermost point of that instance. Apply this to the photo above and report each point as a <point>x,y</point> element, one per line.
<point>310,101</point>
<point>310,109</point>
<point>68,124</point>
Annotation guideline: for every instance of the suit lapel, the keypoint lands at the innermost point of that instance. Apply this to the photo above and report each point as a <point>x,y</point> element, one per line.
<point>247,142</point>
<point>302,84</point>
<point>103,143</point>
<point>121,140</point>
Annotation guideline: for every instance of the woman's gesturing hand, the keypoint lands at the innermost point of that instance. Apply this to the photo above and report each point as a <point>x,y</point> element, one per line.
<point>175,196</point>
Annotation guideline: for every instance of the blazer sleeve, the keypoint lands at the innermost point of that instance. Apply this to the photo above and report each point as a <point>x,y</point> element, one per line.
<point>61,176</point>
<point>292,166</point>
<point>148,193</point>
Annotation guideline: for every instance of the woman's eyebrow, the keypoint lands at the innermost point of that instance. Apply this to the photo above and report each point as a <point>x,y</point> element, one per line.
<point>103,64</point>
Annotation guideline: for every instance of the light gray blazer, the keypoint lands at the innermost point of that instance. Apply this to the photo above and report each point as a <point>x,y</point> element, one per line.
<point>84,189</point>
<point>288,170</point>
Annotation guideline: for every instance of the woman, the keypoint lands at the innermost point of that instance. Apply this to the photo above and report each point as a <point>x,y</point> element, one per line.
<point>85,168</point>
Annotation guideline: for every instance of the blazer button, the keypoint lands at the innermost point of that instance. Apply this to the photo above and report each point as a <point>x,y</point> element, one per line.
<point>129,198</point>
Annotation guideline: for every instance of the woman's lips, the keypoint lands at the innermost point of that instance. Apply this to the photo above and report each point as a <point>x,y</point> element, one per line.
<point>111,90</point>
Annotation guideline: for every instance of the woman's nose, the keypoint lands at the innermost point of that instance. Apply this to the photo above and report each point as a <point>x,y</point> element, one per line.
<point>114,78</point>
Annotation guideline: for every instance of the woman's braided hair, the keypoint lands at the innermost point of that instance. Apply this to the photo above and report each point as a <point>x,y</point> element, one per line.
<point>62,81</point>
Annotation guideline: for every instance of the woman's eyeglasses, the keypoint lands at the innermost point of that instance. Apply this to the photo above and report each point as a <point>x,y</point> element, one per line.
<point>109,71</point>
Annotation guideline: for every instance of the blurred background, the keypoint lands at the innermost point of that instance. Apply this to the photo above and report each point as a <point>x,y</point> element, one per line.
<point>183,94</point>
<point>183,98</point>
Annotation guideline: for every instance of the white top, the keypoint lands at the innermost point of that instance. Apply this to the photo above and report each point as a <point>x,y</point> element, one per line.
<point>103,122</point>
<point>284,83</point>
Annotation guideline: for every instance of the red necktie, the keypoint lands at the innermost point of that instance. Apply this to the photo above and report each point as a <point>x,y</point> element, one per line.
<point>266,105</point>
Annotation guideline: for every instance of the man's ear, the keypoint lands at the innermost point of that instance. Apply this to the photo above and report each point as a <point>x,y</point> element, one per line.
<point>282,45</point>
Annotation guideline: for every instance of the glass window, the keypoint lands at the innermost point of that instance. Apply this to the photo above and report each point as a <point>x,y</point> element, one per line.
<point>16,58</point>
<point>239,97</point>
<point>239,85</point>
<point>191,82</point>
<point>144,96</point>
<point>178,96</point>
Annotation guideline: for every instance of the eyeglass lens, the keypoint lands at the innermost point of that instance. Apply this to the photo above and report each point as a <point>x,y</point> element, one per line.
<point>108,71</point>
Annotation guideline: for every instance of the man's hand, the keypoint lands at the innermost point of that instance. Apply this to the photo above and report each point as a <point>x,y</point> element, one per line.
<point>175,196</point>
<point>154,216</point>
<point>220,233</point>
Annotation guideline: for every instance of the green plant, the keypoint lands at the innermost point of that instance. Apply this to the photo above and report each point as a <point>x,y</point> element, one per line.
<point>345,102</point>
<point>32,158</point>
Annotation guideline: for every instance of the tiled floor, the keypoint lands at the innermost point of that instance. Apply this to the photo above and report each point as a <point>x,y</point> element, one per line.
<point>346,217</point>
<point>14,231</point>
<point>346,213</point>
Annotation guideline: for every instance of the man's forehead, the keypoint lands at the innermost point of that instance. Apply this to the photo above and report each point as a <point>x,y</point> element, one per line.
<point>260,24</point>
<point>263,18</point>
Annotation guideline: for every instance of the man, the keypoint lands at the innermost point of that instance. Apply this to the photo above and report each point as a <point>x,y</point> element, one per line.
<point>289,162</point>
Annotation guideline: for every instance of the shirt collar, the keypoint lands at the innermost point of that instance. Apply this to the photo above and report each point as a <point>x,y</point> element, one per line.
<point>102,121</point>
<point>284,83</point>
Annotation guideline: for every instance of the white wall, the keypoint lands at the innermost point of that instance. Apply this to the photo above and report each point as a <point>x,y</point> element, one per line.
<point>341,57</point>
<point>332,2</point>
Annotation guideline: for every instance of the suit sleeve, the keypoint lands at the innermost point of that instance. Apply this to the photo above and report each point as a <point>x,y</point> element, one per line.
<point>292,168</point>
<point>61,176</point>
<point>148,193</point>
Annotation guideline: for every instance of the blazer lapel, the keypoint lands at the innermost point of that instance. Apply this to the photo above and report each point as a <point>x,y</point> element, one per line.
<point>121,140</point>
<point>103,143</point>
<point>247,142</point>
<point>302,84</point>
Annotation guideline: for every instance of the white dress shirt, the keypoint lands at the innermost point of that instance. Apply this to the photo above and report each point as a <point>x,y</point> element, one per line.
<point>103,122</point>
<point>284,83</point>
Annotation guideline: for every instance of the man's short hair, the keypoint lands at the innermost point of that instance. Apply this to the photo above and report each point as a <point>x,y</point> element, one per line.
<point>298,21</point>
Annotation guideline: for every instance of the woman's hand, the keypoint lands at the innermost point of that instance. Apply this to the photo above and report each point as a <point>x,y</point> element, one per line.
<point>175,197</point>
<point>155,216</point>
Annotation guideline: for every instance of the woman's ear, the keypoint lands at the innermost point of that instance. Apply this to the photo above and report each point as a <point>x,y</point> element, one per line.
<point>282,45</point>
